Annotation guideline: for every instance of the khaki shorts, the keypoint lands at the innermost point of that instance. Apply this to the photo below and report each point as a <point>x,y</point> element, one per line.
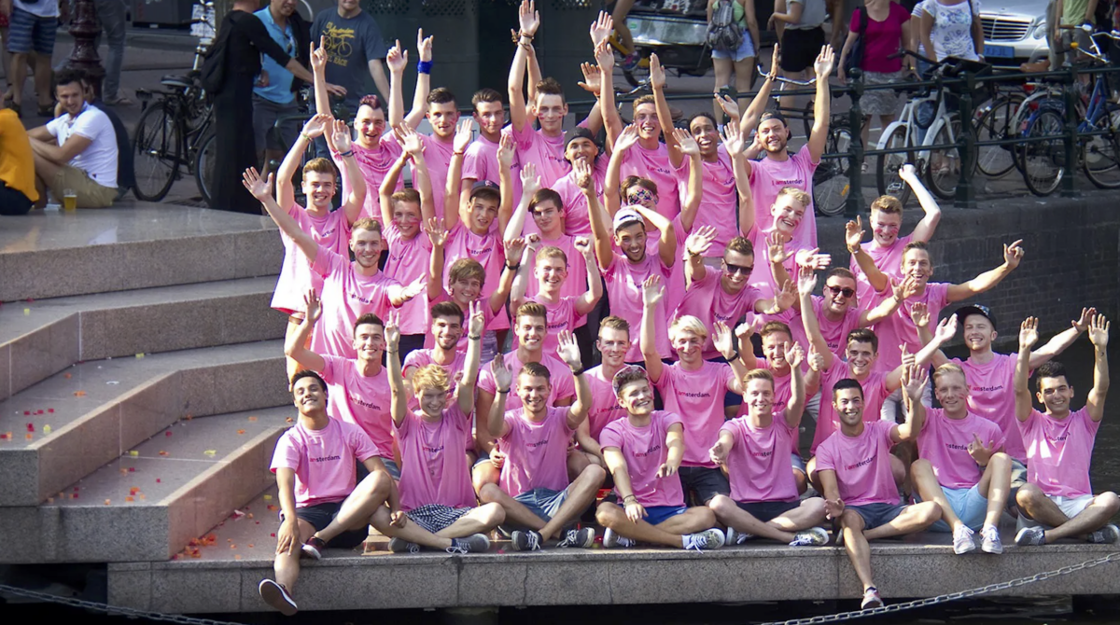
<point>90,194</point>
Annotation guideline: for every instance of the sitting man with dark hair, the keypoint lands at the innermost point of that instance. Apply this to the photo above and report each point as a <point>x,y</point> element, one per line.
<point>76,151</point>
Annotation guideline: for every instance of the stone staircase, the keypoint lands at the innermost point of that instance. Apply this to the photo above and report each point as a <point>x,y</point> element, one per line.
<point>141,379</point>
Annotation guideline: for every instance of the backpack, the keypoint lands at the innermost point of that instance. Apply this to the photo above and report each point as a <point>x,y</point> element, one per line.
<point>855,55</point>
<point>723,33</point>
<point>212,75</point>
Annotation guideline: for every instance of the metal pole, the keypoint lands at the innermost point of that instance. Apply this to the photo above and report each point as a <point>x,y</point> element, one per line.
<point>855,163</point>
<point>1069,97</point>
<point>84,30</point>
<point>966,194</point>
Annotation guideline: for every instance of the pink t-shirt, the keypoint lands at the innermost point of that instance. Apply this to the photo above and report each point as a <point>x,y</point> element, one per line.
<point>624,291</point>
<point>437,155</point>
<point>374,164</point>
<point>408,261</point>
<point>561,316</point>
<point>536,452</point>
<point>604,407</point>
<point>898,329</point>
<point>488,250</point>
<point>698,394</point>
<point>576,283</point>
<point>862,464</point>
<point>882,40</point>
<point>768,176</point>
<point>762,278</point>
<point>561,378</point>
<point>719,202</point>
<point>835,333</point>
<point>360,400</point>
<point>1047,440</point>
<point>990,395</point>
<point>887,259</point>
<point>547,153</point>
<point>323,460</point>
<point>707,301</point>
<point>423,357</point>
<point>480,162</point>
<point>296,277</point>
<point>645,450</point>
<point>346,296</point>
<point>654,165</point>
<point>759,465</point>
<point>874,394</point>
<point>433,465</point>
<point>944,442</point>
<point>577,222</point>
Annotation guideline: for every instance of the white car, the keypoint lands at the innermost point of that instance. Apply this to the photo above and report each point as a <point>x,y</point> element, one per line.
<point>1014,30</point>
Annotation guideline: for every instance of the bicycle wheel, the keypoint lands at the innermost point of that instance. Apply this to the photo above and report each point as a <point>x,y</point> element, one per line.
<point>156,146</point>
<point>943,169</point>
<point>1043,162</point>
<point>997,123</point>
<point>890,183</point>
<point>204,165</point>
<point>1100,154</point>
<point>830,180</point>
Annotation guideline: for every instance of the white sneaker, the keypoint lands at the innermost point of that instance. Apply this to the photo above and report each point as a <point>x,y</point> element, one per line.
<point>990,540</point>
<point>612,539</point>
<point>812,537</point>
<point>963,542</point>
<point>701,541</point>
<point>735,537</point>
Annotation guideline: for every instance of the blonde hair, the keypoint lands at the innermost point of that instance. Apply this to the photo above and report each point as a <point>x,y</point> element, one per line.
<point>549,252</point>
<point>946,369</point>
<point>801,196</point>
<point>366,223</point>
<point>430,376</point>
<point>758,374</point>
<point>888,204</point>
<point>688,323</point>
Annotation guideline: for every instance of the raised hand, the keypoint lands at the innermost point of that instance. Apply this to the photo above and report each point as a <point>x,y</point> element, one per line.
<point>515,248</point>
<point>528,18</point>
<point>436,232</point>
<point>583,246</point>
<point>907,358</point>
<point>592,78</point>
<point>906,289</point>
<point>416,287</point>
<point>503,377</point>
<point>584,178</point>
<point>919,314</point>
<point>530,181</point>
<point>776,248</point>
<point>806,281</point>
<point>774,63</point>
<point>319,56</point>
<point>476,321</point>
<point>813,258</point>
<point>396,58</point>
<point>914,380</point>
<point>533,242</point>
<point>423,45</point>
<point>826,60</point>
<point>652,290</point>
<point>946,329</point>
<point>700,241</point>
<point>463,135</point>
<point>744,330</point>
<point>979,452</point>
<point>568,350</point>
<point>787,296</point>
<point>604,56</point>
<point>626,139</point>
<point>729,106</point>
<point>601,29</point>
<point>1098,332</point>
<point>795,354</point>
<point>257,186</point>
<point>853,234</point>
<point>656,73</point>
<point>718,453</point>
<point>409,139</point>
<point>1028,333</point>
<point>506,150</point>
<point>816,359</point>
<point>339,138</point>
<point>314,307</point>
<point>686,143</point>
<point>721,337</point>
<point>317,125</point>
<point>392,330</point>
<point>908,173</point>
<point>1013,254</point>
<point>732,137</point>
<point>1082,324</point>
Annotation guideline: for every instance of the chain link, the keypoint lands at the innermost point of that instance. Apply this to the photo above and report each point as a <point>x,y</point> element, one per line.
<point>963,594</point>
<point>110,609</point>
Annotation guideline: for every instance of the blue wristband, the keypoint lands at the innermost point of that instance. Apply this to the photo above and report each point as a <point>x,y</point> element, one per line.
<point>423,67</point>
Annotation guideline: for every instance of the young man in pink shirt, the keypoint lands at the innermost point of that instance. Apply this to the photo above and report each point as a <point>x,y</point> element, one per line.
<point>361,386</point>
<point>320,505</point>
<point>551,269</point>
<point>693,386</point>
<point>440,148</point>
<point>466,282</point>
<point>480,161</point>
<point>446,330</point>
<point>437,505</point>
<point>644,453</point>
<point>534,489</point>
<point>854,470</point>
<point>764,500</point>
<point>1057,501</point>
<point>350,289</point>
<point>613,343</point>
<point>962,467</point>
<point>885,248</point>
<point>579,145</point>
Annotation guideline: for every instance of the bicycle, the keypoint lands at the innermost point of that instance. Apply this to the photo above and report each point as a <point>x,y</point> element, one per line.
<point>1044,162</point>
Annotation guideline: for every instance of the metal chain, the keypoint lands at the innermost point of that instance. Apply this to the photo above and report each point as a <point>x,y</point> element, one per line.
<point>110,609</point>
<point>964,594</point>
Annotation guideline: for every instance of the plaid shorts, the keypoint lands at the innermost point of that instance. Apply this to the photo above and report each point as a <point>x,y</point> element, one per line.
<point>435,517</point>
<point>29,32</point>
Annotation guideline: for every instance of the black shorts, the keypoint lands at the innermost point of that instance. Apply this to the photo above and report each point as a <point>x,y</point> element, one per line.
<point>800,48</point>
<point>704,482</point>
<point>766,511</point>
<point>321,515</point>
<point>13,202</point>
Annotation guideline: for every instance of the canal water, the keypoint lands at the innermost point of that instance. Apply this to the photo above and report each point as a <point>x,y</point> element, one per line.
<point>995,611</point>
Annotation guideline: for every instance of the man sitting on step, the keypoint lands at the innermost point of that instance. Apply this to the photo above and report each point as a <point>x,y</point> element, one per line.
<point>320,505</point>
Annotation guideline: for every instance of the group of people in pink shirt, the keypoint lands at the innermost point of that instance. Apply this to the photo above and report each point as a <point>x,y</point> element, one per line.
<point>538,316</point>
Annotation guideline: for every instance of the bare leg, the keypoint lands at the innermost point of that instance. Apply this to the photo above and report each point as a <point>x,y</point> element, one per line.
<point>483,474</point>
<point>859,552</point>
<point>43,76</point>
<point>995,486</point>
<point>577,462</point>
<point>692,520</point>
<point>621,10</point>
<point>613,517</point>
<point>801,480</point>
<point>1038,506</point>
<point>286,565</point>
<point>581,494</point>
<point>478,521</point>
<point>411,532</point>
<point>929,489</point>
<point>914,518</point>
<point>722,69</point>
<point>45,172</point>
<point>356,512</point>
<point>729,513</point>
<point>18,76</point>
<point>744,72</point>
<point>809,514</point>
<point>516,512</point>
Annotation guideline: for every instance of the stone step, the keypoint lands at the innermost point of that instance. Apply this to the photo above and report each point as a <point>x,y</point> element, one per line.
<point>151,501</point>
<point>42,337</point>
<point>58,254</point>
<point>67,426</point>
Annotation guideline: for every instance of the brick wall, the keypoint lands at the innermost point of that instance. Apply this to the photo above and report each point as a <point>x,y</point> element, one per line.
<point>1072,255</point>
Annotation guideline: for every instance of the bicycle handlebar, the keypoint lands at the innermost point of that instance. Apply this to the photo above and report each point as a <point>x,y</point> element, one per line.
<point>792,81</point>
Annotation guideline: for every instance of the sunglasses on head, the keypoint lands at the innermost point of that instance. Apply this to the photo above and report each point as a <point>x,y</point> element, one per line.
<point>835,290</point>
<point>734,269</point>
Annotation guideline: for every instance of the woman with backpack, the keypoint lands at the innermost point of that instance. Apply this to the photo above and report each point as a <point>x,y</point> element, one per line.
<point>725,18</point>
<point>951,28</point>
<point>882,28</point>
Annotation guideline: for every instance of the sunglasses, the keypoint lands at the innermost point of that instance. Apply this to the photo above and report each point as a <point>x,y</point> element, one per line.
<point>835,290</point>
<point>734,269</point>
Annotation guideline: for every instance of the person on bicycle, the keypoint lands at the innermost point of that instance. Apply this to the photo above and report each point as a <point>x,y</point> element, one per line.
<point>740,61</point>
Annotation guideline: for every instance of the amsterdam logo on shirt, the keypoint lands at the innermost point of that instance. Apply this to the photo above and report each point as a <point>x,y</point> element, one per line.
<point>655,448</point>
<point>339,44</point>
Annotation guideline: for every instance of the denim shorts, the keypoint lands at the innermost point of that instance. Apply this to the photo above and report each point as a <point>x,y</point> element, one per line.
<point>543,502</point>
<point>746,49</point>
<point>876,514</point>
<point>968,504</point>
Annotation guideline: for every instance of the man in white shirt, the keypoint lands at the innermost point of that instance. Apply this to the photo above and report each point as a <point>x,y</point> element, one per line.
<point>77,150</point>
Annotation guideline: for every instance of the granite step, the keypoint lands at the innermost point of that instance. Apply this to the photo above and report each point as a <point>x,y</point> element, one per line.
<point>58,254</point>
<point>64,428</point>
<point>150,502</point>
<point>42,337</point>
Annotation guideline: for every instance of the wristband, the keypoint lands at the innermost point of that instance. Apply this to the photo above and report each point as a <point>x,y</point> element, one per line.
<point>474,337</point>
<point>503,390</point>
<point>423,67</point>
<point>345,154</point>
<point>513,267</point>
<point>305,135</point>
<point>578,371</point>
<point>629,497</point>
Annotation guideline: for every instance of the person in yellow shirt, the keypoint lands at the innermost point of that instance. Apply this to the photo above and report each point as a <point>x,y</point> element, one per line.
<point>17,168</point>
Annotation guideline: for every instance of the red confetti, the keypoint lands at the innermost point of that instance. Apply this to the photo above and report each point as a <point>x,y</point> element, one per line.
<point>272,535</point>
<point>132,469</point>
<point>40,411</point>
<point>250,545</point>
<point>258,522</point>
<point>241,431</point>
<point>27,413</point>
<point>129,499</point>
<point>252,418</point>
<point>158,481</point>
<point>167,433</point>
<point>164,453</point>
<point>133,490</point>
<point>67,376</point>
<point>196,554</point>
<point>4,436</point>
<point>272,507</point>
<point>175,557</point>
<point>79,393</point>
<point>74,496</point>
<point>50,410</point>
<point>30,427</point>
<point>29,436</point>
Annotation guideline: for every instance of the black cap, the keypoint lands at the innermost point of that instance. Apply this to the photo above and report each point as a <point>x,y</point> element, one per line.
<point>977,309</point>
<point>485,187</point>
<point>579,132</point>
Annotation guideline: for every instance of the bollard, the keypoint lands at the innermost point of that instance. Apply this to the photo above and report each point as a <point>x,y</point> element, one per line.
<point>855,165</point>
<point>1069,99</point>
<point>966,194</point>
